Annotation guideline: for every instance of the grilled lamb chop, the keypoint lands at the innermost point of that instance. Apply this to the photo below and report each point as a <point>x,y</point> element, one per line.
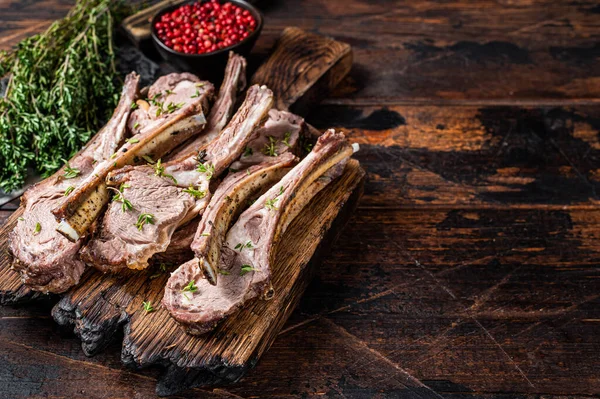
<point>168,195</point>
<point>277,136</point>
<point>246,257</point>
<point>46,260</point>
<point>234,82</point>
<point>163,125</point>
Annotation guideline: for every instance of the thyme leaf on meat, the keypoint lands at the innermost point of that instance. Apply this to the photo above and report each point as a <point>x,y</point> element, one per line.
<point>70,172</point>
<point>205,235</point>
<point>159,170</point>
<point>270,204</point>
<point>174,107</point>
<point>246,269</point>
<point>241,246</point>
<point>198,194</point>
<point>247,151</point>
<point>120,197</point>
<point>286,139</point>
<point>148,307</point>
<point>133,105</point>
<point>69,190</point>
<point>168,92</point>
<point>207,169</point>
<point>148,159</point>
<point>144,218</point>
<point>224,272</point>
<point>199,84</point>
<point>270,148</point>
<point>38,228</point>
<point>191,287</point>
<point>133,140</point>
<point>136,125</point>
<point>195,95</point>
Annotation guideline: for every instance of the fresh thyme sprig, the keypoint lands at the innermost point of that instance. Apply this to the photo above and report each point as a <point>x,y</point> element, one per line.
<point>207,169</point>
<point>119,197</point>
<point>270,148</point>
<point>241,246</point>
<point>159,170</point>
<point>144,218</point>
<point>62,86</point>
<point>198,194</point>
<point>69,190</point>
<point>246,269</point>
<point>70,172</point>
<point>148,307</point>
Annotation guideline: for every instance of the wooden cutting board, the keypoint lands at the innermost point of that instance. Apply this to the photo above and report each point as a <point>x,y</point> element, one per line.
<point>302,68</point>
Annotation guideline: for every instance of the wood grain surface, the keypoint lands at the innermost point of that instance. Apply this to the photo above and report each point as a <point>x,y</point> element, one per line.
<point>470,269</point>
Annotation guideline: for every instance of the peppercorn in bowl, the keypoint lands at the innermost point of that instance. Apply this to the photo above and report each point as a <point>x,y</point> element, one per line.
<point>197,36</point>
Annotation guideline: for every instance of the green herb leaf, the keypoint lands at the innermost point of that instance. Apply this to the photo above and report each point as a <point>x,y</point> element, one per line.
<point>148,307</point>
<point>159,170</point>
<point>247,151</point>
<point>133,140</point>
<point>270,204</point>
<point>191,287</point>
<point>38,228</point>
<point>270,148</point>
<point>198,194</point>
<point>144,218</point>
<point>70,172</point>
<point>286,139</point>
<point>247,268</point>
<point>207,169</point>
<point>224,272</point>
<point>69,190</point>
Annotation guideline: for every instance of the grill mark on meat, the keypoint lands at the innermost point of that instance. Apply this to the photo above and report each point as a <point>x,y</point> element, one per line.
<point>47,261</point>
<point>261,225</point>
<point>234,82</point>
<point>78,211</point>
<point>119,243</point>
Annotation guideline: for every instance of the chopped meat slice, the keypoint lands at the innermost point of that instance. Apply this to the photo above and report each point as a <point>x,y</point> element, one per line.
<point>245,264</point>
<point>46,260</point>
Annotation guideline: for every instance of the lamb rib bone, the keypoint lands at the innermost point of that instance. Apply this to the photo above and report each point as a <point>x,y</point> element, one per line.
<point>78,211</point>
<point>246,269</point>
<point>46,260</point>
<point>234,82</point>
<point>121,242</point>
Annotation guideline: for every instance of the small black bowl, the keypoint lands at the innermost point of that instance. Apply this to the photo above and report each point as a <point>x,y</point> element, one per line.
<point>210,65</point>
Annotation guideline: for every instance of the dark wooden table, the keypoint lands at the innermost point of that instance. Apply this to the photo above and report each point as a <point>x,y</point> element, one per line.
<point>471,266</point>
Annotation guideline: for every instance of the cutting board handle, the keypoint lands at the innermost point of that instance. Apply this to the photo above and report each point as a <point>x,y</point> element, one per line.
<point>304,68</point>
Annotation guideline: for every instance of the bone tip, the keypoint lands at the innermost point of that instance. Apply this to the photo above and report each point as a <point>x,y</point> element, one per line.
<point>65,229</point>
<point>208,270</point>
<point>355,147</point>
